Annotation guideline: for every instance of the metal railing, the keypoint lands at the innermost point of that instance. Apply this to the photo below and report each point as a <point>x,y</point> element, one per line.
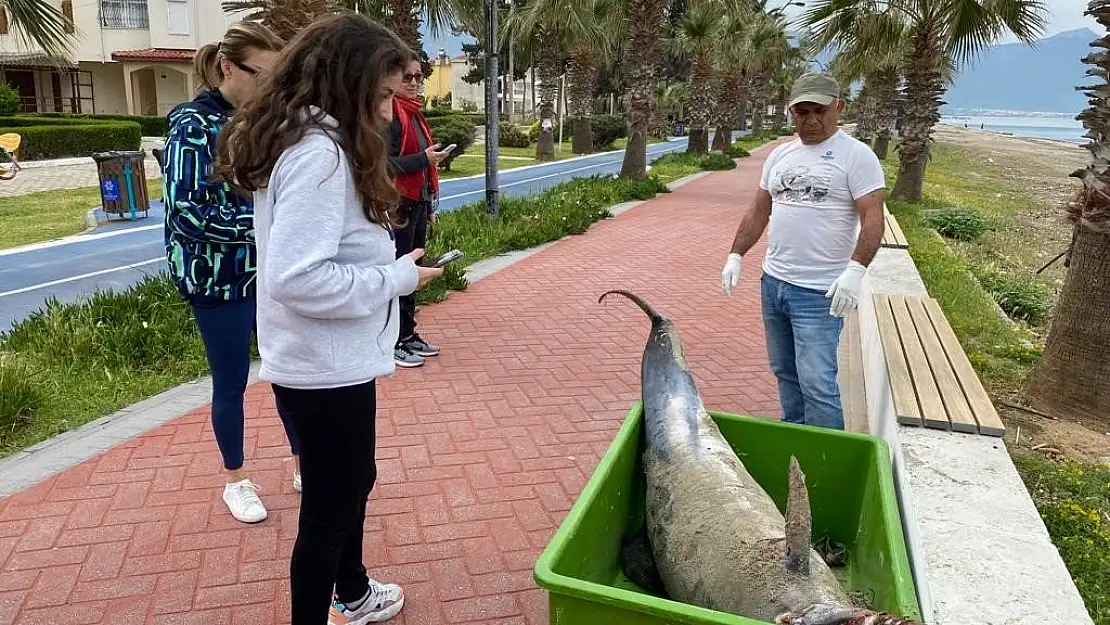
<point>131,14</point>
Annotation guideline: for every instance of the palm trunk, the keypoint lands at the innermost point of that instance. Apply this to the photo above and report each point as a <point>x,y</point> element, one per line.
<point>731,109</point>
<point>1072,379</point>
<point>643,56</point>
<point>583,83</point>
<point>701,103</point>
<point>865,123</point>
<point>924,90</point>
<point>548,67</point>
<point>759,105</point>
<point>405,21</point>
<point>886,88</point>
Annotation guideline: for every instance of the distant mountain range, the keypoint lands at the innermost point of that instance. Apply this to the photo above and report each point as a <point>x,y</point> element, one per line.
<point>1018,77</point>
<point>1005,77</point>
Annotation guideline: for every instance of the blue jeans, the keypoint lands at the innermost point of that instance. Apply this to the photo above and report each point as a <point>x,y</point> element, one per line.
<point>802,339</point>
<point>225,328</point>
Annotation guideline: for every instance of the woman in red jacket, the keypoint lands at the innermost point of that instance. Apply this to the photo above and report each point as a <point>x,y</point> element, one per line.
<point>413,159</point>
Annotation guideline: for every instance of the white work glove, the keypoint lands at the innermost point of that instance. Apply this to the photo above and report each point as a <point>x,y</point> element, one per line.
<point>730,275</point>
<point>845,290</point>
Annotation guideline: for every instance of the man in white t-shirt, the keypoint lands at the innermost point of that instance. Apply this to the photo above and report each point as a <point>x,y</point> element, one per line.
<point>822,195</point>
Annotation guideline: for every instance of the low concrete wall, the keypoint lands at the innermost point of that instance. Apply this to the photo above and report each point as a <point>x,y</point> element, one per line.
<point>980,552</point>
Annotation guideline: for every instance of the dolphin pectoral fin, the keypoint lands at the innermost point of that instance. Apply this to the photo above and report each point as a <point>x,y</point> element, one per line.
<point>638,563</point>
<point>799,523</point>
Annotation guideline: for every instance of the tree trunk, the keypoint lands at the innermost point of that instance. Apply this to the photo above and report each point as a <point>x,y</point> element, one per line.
<point>1072,379</point>
<point>643,58</point>
<point>701,103</point>
<point>865,122</point>
<point>405,21</point>
<point>582,76</point>
<point>882,145</point>
<point>886,88</point>
<point>924,89</point>
<point>548,66</point>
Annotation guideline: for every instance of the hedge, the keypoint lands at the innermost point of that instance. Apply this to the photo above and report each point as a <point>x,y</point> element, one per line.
<point>152,125</point>
<point>45,138</point>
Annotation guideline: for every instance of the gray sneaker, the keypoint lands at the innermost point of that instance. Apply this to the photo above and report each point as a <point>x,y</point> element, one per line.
<point>420,347</point>
<point>404,357</point>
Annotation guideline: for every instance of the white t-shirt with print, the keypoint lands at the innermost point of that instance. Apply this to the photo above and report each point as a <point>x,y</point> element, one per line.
<point>814,221</point>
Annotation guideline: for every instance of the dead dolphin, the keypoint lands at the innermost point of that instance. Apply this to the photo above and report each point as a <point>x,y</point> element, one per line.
<point>717,539</point>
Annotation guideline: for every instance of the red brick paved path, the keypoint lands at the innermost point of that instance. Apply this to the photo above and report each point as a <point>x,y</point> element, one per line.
<point>481,452</point>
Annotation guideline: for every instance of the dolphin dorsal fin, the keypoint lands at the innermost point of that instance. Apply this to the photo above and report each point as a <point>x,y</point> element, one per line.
<point>799,523</point>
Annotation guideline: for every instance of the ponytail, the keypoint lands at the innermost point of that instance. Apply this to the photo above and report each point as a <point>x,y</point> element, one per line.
<point>240,38</point>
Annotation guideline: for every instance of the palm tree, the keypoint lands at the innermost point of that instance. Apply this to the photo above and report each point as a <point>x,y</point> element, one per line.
<point>783,81</point>
<point>671,98</point>
<point>939,32</point>
<point>697,37</point>
<point>732,79</point>
<point>643,56</point>
<point>38,23</point>
<point>586,28</point>
<point>766,50</point>
<point>1072,379</point>
<point>285,17</point>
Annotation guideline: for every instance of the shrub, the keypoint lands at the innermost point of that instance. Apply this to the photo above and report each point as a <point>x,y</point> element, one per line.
<point>963,224</point>
<point>9,100</point>
<point>1020,298</point>
<point>716,161</point>
<point>152,125</point>
<point>455,131</point>
<point>736,150</point>
<point>511,136</point>
<point>45,138</point>
<point>606,129</point>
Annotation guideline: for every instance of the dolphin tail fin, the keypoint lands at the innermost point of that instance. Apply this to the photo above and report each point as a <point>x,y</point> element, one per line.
<point>799,522</point>
<point>644,306</point>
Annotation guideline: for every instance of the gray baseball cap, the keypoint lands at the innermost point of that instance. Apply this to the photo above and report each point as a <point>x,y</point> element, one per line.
<point>819,87</point>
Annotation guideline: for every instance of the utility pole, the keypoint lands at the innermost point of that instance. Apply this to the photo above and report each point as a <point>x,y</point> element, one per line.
<point>491,7</point>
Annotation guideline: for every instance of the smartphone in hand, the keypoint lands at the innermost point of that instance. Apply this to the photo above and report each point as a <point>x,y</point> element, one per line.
<point>451,148</point>
<point>449,257</point>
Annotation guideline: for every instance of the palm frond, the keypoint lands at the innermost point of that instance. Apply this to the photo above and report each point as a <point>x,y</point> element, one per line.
<point>39,23</point>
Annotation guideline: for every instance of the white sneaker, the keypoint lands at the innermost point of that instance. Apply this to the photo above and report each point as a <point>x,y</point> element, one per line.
<point>244,504</point>
<point>296,480</point>
<point>381,603</point>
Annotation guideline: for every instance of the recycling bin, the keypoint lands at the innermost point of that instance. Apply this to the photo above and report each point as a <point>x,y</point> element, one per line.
<point>122,177</point>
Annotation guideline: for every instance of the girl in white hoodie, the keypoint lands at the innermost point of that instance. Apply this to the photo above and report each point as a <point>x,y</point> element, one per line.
<point>312,148</point>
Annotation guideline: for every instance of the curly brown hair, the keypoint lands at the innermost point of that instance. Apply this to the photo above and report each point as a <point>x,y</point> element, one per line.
<point>337,64</point>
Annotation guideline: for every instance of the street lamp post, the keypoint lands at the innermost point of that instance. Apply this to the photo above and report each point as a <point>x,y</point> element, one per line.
<point>490,7</point>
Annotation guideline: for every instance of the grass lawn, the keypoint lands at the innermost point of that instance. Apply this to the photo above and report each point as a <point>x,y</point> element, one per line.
<point>995,240</point>
<point>46,215</point>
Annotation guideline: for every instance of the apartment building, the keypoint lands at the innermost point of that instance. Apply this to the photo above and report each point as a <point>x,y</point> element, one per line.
<point>128,56</point>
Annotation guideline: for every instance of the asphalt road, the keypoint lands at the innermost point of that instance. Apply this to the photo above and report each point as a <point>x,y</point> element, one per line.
<point>120,253</point>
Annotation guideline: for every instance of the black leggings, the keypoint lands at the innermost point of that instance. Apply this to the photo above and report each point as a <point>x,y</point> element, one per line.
<point>335,430</point>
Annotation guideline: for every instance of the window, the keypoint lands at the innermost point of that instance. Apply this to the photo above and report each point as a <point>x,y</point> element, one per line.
<point>177,16</point>
<point>67,12</point>
<point>124,14</point>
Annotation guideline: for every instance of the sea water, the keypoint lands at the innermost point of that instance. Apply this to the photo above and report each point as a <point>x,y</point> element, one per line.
<point>1057,126</point>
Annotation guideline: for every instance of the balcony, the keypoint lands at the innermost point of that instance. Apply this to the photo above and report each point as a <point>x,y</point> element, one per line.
<point>124,14</point>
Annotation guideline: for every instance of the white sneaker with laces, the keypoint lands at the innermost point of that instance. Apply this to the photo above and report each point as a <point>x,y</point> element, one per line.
<point>243,502</point>
<point>381,603</point>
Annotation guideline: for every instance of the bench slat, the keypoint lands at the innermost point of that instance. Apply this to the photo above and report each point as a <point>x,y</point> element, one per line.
<point>928,395</point>
<point>951,392</point>
<point>901,384</point>
<point>982,407</point>
<point>899,237</point>
<point>892,233</point>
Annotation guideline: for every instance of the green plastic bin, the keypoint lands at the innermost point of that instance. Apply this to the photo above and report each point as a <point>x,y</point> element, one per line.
<point>851,492</point>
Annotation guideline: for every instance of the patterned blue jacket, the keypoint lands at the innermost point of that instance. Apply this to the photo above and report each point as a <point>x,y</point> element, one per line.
<point>209,230</point>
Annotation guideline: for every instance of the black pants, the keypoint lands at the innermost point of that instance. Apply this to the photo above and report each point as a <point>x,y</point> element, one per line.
<point>413,235</point>
<point>335,429</point>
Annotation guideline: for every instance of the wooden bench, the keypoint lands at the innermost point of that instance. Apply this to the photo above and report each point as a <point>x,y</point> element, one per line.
<point>892,233</point>
<point>931,379</point>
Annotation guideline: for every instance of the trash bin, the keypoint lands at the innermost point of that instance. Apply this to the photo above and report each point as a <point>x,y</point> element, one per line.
<point>122,177</point>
